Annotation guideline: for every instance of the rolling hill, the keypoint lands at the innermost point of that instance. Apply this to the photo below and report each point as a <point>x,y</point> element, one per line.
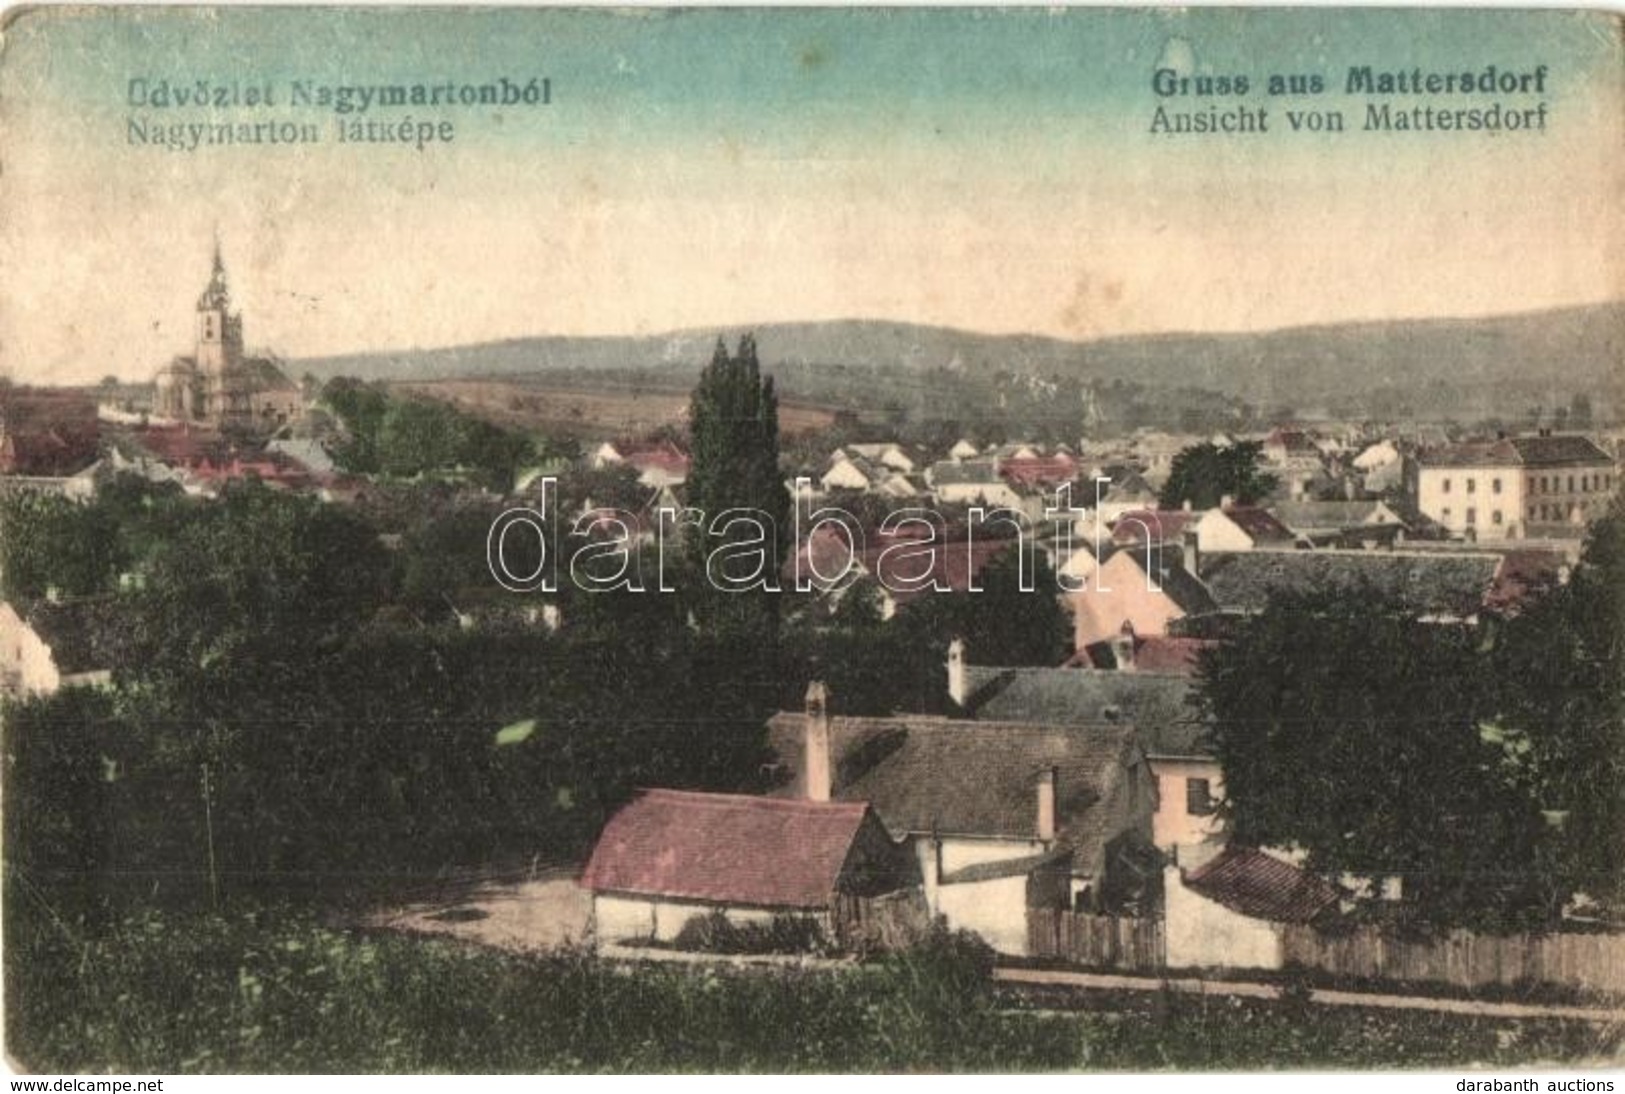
<point>1498,364</point>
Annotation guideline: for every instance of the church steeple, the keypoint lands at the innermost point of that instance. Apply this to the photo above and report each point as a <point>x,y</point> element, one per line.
<point>217,296</point>
<point>219,330</point>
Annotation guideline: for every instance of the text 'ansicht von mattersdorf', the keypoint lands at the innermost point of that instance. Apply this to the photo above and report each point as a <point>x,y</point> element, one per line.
<point>1370,99</point>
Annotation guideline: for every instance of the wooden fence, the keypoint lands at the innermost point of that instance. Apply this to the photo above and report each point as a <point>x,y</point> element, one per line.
<point>1594,962</point>
<point>892,921</point>
<point>1099,941</point>
<point>1590,962</point>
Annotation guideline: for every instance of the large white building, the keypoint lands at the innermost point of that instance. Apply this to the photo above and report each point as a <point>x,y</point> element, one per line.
<point>1514,488</point>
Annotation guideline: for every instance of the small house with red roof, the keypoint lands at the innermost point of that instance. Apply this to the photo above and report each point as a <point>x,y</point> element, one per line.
<point>671,856</point>
<point>1233,910</point>
<point>47,432</point>
<point>1289,447</point>
<point>659,462</point>
<point>1039,472</point>
<point>1138,527</point>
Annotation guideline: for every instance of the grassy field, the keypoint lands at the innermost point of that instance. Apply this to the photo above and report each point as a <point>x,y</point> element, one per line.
<point>263,994</point>
<point>537,406</point>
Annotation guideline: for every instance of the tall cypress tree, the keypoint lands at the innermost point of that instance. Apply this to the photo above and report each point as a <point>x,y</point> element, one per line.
<point>734,421</point>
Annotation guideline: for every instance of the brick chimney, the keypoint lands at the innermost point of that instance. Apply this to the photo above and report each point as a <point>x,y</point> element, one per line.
<point>1046,804</point>
<point>815,743</point>
<point>958,686</point>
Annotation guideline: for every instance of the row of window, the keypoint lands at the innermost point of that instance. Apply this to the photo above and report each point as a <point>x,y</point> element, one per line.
<point>1558,512</point>
<point>1472,486</point>
<point>1551,484</point>
<point>1536,512</point>
<point>1472,516</point>
<point>1545,484</point>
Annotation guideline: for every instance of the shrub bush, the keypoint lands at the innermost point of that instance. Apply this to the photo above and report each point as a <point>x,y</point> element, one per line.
<point>714,932</point>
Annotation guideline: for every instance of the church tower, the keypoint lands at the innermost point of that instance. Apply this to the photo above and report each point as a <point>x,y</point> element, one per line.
<point>219,346</point>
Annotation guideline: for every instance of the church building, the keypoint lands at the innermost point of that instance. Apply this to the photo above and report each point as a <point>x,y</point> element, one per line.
<point>219,384</point>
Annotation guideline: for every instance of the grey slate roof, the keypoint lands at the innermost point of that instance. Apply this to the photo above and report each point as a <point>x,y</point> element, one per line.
<point>924,774</point>
<point>1569,450</point>
<point>1323,516</point>
<point>1431,584</point>
<point>1158,706</point>
<point>306,451</point>
<point>1562,451</point>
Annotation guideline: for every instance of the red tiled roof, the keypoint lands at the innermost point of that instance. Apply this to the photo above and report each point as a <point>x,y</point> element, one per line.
<point>271,471</point>
<point>1293,440</point>
<point>662,454</point>
<point>182,446</point>
<point>1161,524</point>
<point>950,562</point>
<point>823,558</point>
<point>46,431</point>
<point>1262,887</point>
<point>915,559</point>
<point>51,452</point>
<point>1163,653</point>
<point>1038,470</point>
<point>727,848</point>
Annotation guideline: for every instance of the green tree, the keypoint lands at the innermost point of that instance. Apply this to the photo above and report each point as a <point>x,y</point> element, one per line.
<point>879,667</point>
<point>60,763</point>
<point>734,422</point>
<point>261,581</point>
<point>360,408</point>
<point>1561,664</point>
<point>1007,624</point>
<point>1349,729</point>
<point>50,543</point>
<point>1206,473</point>
<point>417,435</point>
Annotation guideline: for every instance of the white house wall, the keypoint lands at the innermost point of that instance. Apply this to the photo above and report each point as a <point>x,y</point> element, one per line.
<point>1173,825</point>
<point>26,664</point>
<point>995,909</point>
<point>1447,494</point>
<point>1217,532</point>
<point>629,918</point>
<point>1202,933</point>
